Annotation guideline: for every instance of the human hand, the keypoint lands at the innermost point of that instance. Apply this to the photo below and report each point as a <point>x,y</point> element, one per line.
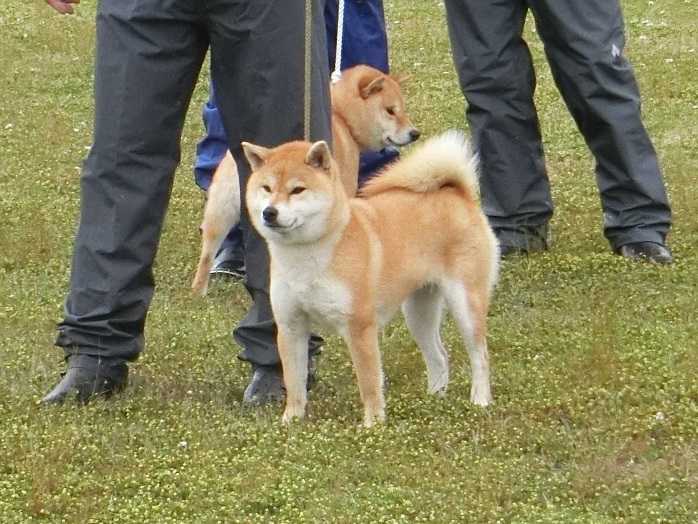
<point>63,6</point>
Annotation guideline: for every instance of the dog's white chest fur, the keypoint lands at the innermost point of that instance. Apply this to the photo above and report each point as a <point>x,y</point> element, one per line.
<point>326,301</point>
<point>303,284</point>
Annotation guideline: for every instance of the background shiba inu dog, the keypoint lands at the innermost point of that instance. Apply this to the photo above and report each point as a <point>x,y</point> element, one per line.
<point>368,114</point>
<point>417,238</point>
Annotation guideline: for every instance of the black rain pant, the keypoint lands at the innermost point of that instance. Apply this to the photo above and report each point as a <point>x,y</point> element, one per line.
<point>148,58</point>
<point>584,43</point>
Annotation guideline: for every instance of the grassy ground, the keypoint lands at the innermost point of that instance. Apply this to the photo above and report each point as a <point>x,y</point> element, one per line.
<point>594,358</point>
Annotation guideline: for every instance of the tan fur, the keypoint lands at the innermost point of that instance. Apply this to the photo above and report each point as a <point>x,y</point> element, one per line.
<point>222,211</point>
<point>418,239</point>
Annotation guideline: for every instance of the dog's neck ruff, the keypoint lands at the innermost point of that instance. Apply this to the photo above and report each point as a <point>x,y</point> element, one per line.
<point>345,124</point>
<point>307,260</point>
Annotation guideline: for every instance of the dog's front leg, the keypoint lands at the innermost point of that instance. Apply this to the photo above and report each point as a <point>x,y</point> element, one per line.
<point>293,350</point>
<point>362,340</point>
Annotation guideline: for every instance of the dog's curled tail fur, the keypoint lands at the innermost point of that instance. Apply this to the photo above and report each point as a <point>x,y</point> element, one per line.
<point>444,160</point>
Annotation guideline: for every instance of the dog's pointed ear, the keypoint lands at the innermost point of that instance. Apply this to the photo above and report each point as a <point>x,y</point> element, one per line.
<point>319,156</point>
<point>401,78</point>
<point>256,155</point>
<point>370,85</point>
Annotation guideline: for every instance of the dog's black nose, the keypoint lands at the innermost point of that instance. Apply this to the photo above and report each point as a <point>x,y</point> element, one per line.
<point>415,134</point>
<point>270,214</point>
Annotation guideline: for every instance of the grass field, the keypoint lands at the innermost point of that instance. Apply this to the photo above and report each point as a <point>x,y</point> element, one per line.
<point>594,358</point>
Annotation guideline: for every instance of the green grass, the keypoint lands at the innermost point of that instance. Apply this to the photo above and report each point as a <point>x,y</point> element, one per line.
<point>594,358</point>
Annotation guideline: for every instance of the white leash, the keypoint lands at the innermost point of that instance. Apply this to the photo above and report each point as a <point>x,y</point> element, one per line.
<point>337,73</point>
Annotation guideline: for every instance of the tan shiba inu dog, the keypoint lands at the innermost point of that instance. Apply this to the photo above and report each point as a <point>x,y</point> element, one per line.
<point>417,238</point>
<point>368,114</point>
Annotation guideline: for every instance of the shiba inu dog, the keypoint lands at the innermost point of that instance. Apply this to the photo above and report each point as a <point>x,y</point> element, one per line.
<point>368,114</point>
<point>417,238</point>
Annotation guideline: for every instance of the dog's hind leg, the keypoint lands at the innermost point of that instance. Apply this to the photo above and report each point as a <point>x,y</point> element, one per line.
<point>362,340</point>
<point>212,236</point>
<point>471,318</point>
<point>221,213</point>
<point>422,311</point>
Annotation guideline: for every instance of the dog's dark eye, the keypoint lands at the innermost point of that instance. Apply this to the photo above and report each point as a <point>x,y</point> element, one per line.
<point>390,111</point>
<point>297,190</point>
<point>266,188</point>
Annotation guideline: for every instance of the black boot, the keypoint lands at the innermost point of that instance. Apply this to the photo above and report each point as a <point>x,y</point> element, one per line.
<point>646,252</point>
<point>506,251</point>
<point>266,386</point>
<point>523,240</point>
<point>267,383</point>
<point>89,376</point>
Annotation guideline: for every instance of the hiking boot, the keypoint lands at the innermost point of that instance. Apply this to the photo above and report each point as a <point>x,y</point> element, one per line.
<point>522,240</point>
<point>267,383</point>
<point>646,252</point>
<point>89,376</point>
<point>506,251</point>
<point>266,386</point>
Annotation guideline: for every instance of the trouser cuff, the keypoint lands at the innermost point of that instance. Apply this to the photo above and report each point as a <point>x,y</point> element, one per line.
<point>525,238</point>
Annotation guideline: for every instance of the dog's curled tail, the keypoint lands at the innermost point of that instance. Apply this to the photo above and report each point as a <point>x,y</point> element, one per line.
<point>446,160</point>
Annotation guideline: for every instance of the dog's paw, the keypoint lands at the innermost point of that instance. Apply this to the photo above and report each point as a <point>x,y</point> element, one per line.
<point>199,287</point>
<point>292,414</point>
<point>438,387</point>
<point>199,290</point>
<point>373,418</point>
<point>480,395</point>
<point>437,378</point>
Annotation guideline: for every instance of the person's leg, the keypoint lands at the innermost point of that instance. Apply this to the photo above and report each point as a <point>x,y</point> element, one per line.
<point>230,259</point>
<point>496,76</point>
<point>257,57</point>
<point>212,147</point>
<point>148,58</point>
<point>365,42</point>
<point>584,44</point>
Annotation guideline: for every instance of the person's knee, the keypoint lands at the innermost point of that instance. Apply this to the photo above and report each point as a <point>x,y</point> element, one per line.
<point>496,85</point>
